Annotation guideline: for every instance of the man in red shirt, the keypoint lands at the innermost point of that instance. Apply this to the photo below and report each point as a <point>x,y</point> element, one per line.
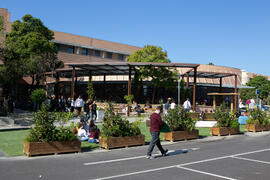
<point>155,125</point>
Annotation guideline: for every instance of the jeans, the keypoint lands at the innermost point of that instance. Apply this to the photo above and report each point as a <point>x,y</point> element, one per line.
<point>154,141</point>
<point>94,113</point>
<point>87,116</point>
<point>83,138</point>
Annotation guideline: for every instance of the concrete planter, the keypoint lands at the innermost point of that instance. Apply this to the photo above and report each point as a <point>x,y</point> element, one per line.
<point>223,131</point>
<point>181,135</point>
<point>118,142</point>
<point>39,148</point>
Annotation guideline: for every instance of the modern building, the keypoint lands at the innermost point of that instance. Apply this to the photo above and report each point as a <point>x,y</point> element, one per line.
<point>80,49</point>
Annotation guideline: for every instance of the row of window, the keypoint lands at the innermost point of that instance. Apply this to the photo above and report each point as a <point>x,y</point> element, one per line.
<point>88,52</point>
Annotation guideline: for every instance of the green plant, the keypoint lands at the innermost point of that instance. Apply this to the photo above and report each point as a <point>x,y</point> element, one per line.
<point>63,117</point>
<point>129,99</point>
<point>116,126</point>
<point>44,129</point>
<point>38,96</point>
<point>179,119</point>
<point>65,134</point>
<point>90,90</point>
<point>258,116</point>
<point>224,118</point>
<point>3,111</point>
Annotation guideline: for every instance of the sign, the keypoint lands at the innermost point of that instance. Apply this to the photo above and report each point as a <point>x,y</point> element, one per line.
<point>257,91</point>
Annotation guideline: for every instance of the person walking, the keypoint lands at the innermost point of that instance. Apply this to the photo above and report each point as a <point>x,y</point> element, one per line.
<point>86,110</point>
<point>187,105</point>
<point>155,124</point>
<point>79,103</point>
<point>94,111</point>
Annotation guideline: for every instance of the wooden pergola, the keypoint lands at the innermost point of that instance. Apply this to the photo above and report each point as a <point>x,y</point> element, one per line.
<point>115,68</point>
<point>212,75</point>
<point>223,94</point>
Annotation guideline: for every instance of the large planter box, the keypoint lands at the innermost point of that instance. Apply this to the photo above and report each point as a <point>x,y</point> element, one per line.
<point>223,131</point>
<point>39,148</point>
<point>208,117</point>
<point>254,127</point>
<point>181,135</point>
<point>118,142</point>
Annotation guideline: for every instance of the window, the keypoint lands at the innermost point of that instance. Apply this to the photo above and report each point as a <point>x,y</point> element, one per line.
<point>109,55</point>
<point>120,57</point>
<point>57,47</point>
<point>97,53</point>
<point>90,52</point>
<point>71,50</point>
<point>84,51</point>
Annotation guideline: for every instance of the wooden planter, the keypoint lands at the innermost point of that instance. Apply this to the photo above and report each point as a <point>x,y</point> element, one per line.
<point>223,131</point>
<point>181,135</point>
<point>254,127</point>
<point>39,148</point>
<point>208,117</point>
<point>117,142</point>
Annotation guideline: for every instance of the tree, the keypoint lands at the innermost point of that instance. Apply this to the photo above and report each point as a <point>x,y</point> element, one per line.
<point>90,90</point>
<point>160,76</point>
<point>210,63</point>
<point>258,82</point>
<point>31,51</point>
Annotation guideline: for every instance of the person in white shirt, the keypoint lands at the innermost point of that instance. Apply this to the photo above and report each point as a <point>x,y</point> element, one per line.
<point>83,135</point>
<point>79,103</point>
<point>187,105</point>
<point>252,104</point>
<point>173,104</point>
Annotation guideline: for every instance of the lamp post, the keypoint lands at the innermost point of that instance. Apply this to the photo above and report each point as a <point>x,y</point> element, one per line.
<point>179,76</point>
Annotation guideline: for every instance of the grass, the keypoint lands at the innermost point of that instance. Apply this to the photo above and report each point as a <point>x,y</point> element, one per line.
<point>11,142</point>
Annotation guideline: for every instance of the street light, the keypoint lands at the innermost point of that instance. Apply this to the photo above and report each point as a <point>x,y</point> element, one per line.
<point>179,76</point>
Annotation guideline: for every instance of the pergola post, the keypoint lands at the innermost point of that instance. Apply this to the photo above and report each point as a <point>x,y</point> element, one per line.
<point>220,89</point>
<point>129,87</point>
<point>235,91</point>
<point>56,87</point>
<point>187,80</point>
<point>194,89</point>
<point>104,84</point>
<point>73,82</point>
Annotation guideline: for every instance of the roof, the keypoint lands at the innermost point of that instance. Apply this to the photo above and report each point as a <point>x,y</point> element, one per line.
<point>222,94</point>
<point>211,75</point>
<point>113,68</point>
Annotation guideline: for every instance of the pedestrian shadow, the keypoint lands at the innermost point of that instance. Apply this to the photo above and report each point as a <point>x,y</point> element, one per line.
<point>174,152</point>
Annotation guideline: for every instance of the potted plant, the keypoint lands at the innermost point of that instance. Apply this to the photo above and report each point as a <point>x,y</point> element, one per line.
<point>227,123</point>
<point>257,121</point>
<point>118,132</point>
<point>45,138</point>
<point>181,124</point>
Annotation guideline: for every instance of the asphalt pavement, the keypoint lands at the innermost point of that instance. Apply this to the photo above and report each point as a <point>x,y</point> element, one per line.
<point>234,157</point>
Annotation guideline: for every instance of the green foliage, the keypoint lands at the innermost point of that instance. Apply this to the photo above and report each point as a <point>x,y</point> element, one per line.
<point>179,119</point>
<point>210,63</point>
<point>63,117</point>
<point>115,126</point>
<point>261,83</point>
<point>44,129</point>
<point>31,51</point>
<point>90,90</point>
<point>224,118</point>
<point>38,96</point>
<point>246,94</point>
<point>160,76</point>
<point>3,111</point>
<point>257,116</point>
<point>129,99</point>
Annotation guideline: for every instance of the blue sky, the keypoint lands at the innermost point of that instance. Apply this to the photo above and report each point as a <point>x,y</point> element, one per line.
<point>233,33</point>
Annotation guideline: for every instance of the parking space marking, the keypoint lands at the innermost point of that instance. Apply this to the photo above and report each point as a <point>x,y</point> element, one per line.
<point>134,173</point>
<point>253,160</point>
<point>206,173</point>
<point>181,165</point>
<point>131,158</point>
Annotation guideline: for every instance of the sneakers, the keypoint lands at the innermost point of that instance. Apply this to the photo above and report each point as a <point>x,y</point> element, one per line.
<point>150,157</point>
<point>165,152</point>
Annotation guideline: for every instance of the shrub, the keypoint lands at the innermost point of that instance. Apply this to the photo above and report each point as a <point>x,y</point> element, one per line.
<point>258,116</point>
<point>44,129</point>
<point>38,96</point>
<point>179,119</point>
<point>224,118</point>
<point>116,126</point>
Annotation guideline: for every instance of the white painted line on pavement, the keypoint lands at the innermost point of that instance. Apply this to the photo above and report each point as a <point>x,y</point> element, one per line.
<point>206,173</point>
<point>180,165</point>
<point>253,160</point>
<point>131,158</point>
